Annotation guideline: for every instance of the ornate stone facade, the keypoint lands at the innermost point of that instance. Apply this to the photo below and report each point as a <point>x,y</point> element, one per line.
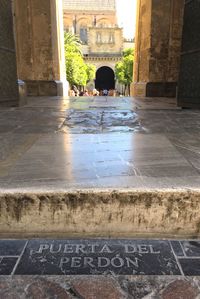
<point>96,24</point>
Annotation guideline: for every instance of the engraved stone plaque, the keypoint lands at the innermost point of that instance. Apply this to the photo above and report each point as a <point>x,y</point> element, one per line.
<point>96,257</point>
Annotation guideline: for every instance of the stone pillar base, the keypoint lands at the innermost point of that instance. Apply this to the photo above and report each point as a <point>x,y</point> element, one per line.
<point>46,88</point>
<point>154,89</point>
<point>9,102</point>
<point>19,100</point>
<point>22,92</point>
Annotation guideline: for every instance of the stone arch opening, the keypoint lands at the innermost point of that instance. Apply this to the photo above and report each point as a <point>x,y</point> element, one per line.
<point>105,78</point>
<point>156,69</point>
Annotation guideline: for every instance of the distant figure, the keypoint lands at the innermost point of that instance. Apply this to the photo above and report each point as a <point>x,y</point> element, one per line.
<point>72,93</point>
<point>75,89</point>
<point>86,94</point>
<point>111,93</point>
<point>105,92</point>
<point>95,92</point>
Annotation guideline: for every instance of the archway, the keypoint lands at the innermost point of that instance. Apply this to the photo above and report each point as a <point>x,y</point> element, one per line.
<point>105,78</point>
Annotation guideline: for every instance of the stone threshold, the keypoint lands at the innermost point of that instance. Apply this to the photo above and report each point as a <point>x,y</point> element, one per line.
<point>89,213</point>
<point>100,257</point>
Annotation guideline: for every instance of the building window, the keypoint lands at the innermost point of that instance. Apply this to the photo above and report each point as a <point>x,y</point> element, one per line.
<point>98,38</point>
<point>111,38</point>
<point>84,35</point>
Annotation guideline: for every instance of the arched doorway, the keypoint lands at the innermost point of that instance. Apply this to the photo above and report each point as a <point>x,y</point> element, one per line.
<point>105,78</point>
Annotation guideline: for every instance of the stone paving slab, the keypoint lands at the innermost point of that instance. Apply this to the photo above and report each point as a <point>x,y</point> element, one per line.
<point>99,287</point>
<point>110,160</point>
<point>101,120</point>
<point>100,257</point>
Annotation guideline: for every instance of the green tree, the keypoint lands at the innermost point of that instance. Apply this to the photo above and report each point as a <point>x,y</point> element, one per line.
<point>77,71</point>
<point>72,43</point>
<point>91,72</point>
<point>124,69</point>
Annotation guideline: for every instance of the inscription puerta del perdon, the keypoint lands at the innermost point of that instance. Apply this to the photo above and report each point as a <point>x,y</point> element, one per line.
<point>96,257</point>
<point>88,255</point>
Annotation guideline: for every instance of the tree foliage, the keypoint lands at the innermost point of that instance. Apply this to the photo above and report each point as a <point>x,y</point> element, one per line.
<point>78,72</point>
<point>91,72</point>
<point>124,68</point>
<point>72,43</point>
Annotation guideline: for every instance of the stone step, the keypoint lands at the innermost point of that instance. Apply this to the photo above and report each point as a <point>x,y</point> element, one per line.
<point>96,213</point>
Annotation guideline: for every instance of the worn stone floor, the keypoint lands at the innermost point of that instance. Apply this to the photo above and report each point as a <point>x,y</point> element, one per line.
<point>99,287</point>
<point>55,144</point>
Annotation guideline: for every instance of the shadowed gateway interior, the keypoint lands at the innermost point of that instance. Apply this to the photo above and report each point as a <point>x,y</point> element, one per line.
<point>105,78</point>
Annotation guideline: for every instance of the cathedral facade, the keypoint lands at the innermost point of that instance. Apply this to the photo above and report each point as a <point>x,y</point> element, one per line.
<point>95,22</point>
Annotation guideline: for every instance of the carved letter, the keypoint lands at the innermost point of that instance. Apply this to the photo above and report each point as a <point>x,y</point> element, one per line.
<point>143,249</point>
<point>76,262</point>
<point>105,249</point>
<point>130,248</point>
<point>80,249</point>
<point>64,260</point>
<point>152,250</point>
<point>93,247</point>
<point>56,250</point>
<point>131,262</point>
<point>117,262</point>
<point>103,262</point>
<point>41,249</point>
<point>88,262</point>
<point>68,248</point>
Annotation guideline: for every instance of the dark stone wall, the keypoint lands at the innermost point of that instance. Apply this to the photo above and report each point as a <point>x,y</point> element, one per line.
<point>189,80</point>
<point>158,47</point>
<point>8,71</point>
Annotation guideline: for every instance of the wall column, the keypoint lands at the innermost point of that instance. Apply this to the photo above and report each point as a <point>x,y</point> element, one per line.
<point>40,46</point>
<point>9,95</point>
<point>189,79</point>
<point>158,45</point>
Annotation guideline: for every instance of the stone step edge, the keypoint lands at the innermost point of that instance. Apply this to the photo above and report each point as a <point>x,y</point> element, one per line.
<point>124,213</point>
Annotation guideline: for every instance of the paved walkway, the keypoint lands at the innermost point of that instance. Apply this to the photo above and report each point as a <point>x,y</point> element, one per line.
<point>57,144</point>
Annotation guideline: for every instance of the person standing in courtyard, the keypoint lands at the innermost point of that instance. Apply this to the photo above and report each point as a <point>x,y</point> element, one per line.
<point>105,92</point>
<point>95,92</point>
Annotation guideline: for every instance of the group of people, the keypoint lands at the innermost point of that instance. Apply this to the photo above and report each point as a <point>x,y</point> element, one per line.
<point>103,92</point>
<point>76,93</point>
